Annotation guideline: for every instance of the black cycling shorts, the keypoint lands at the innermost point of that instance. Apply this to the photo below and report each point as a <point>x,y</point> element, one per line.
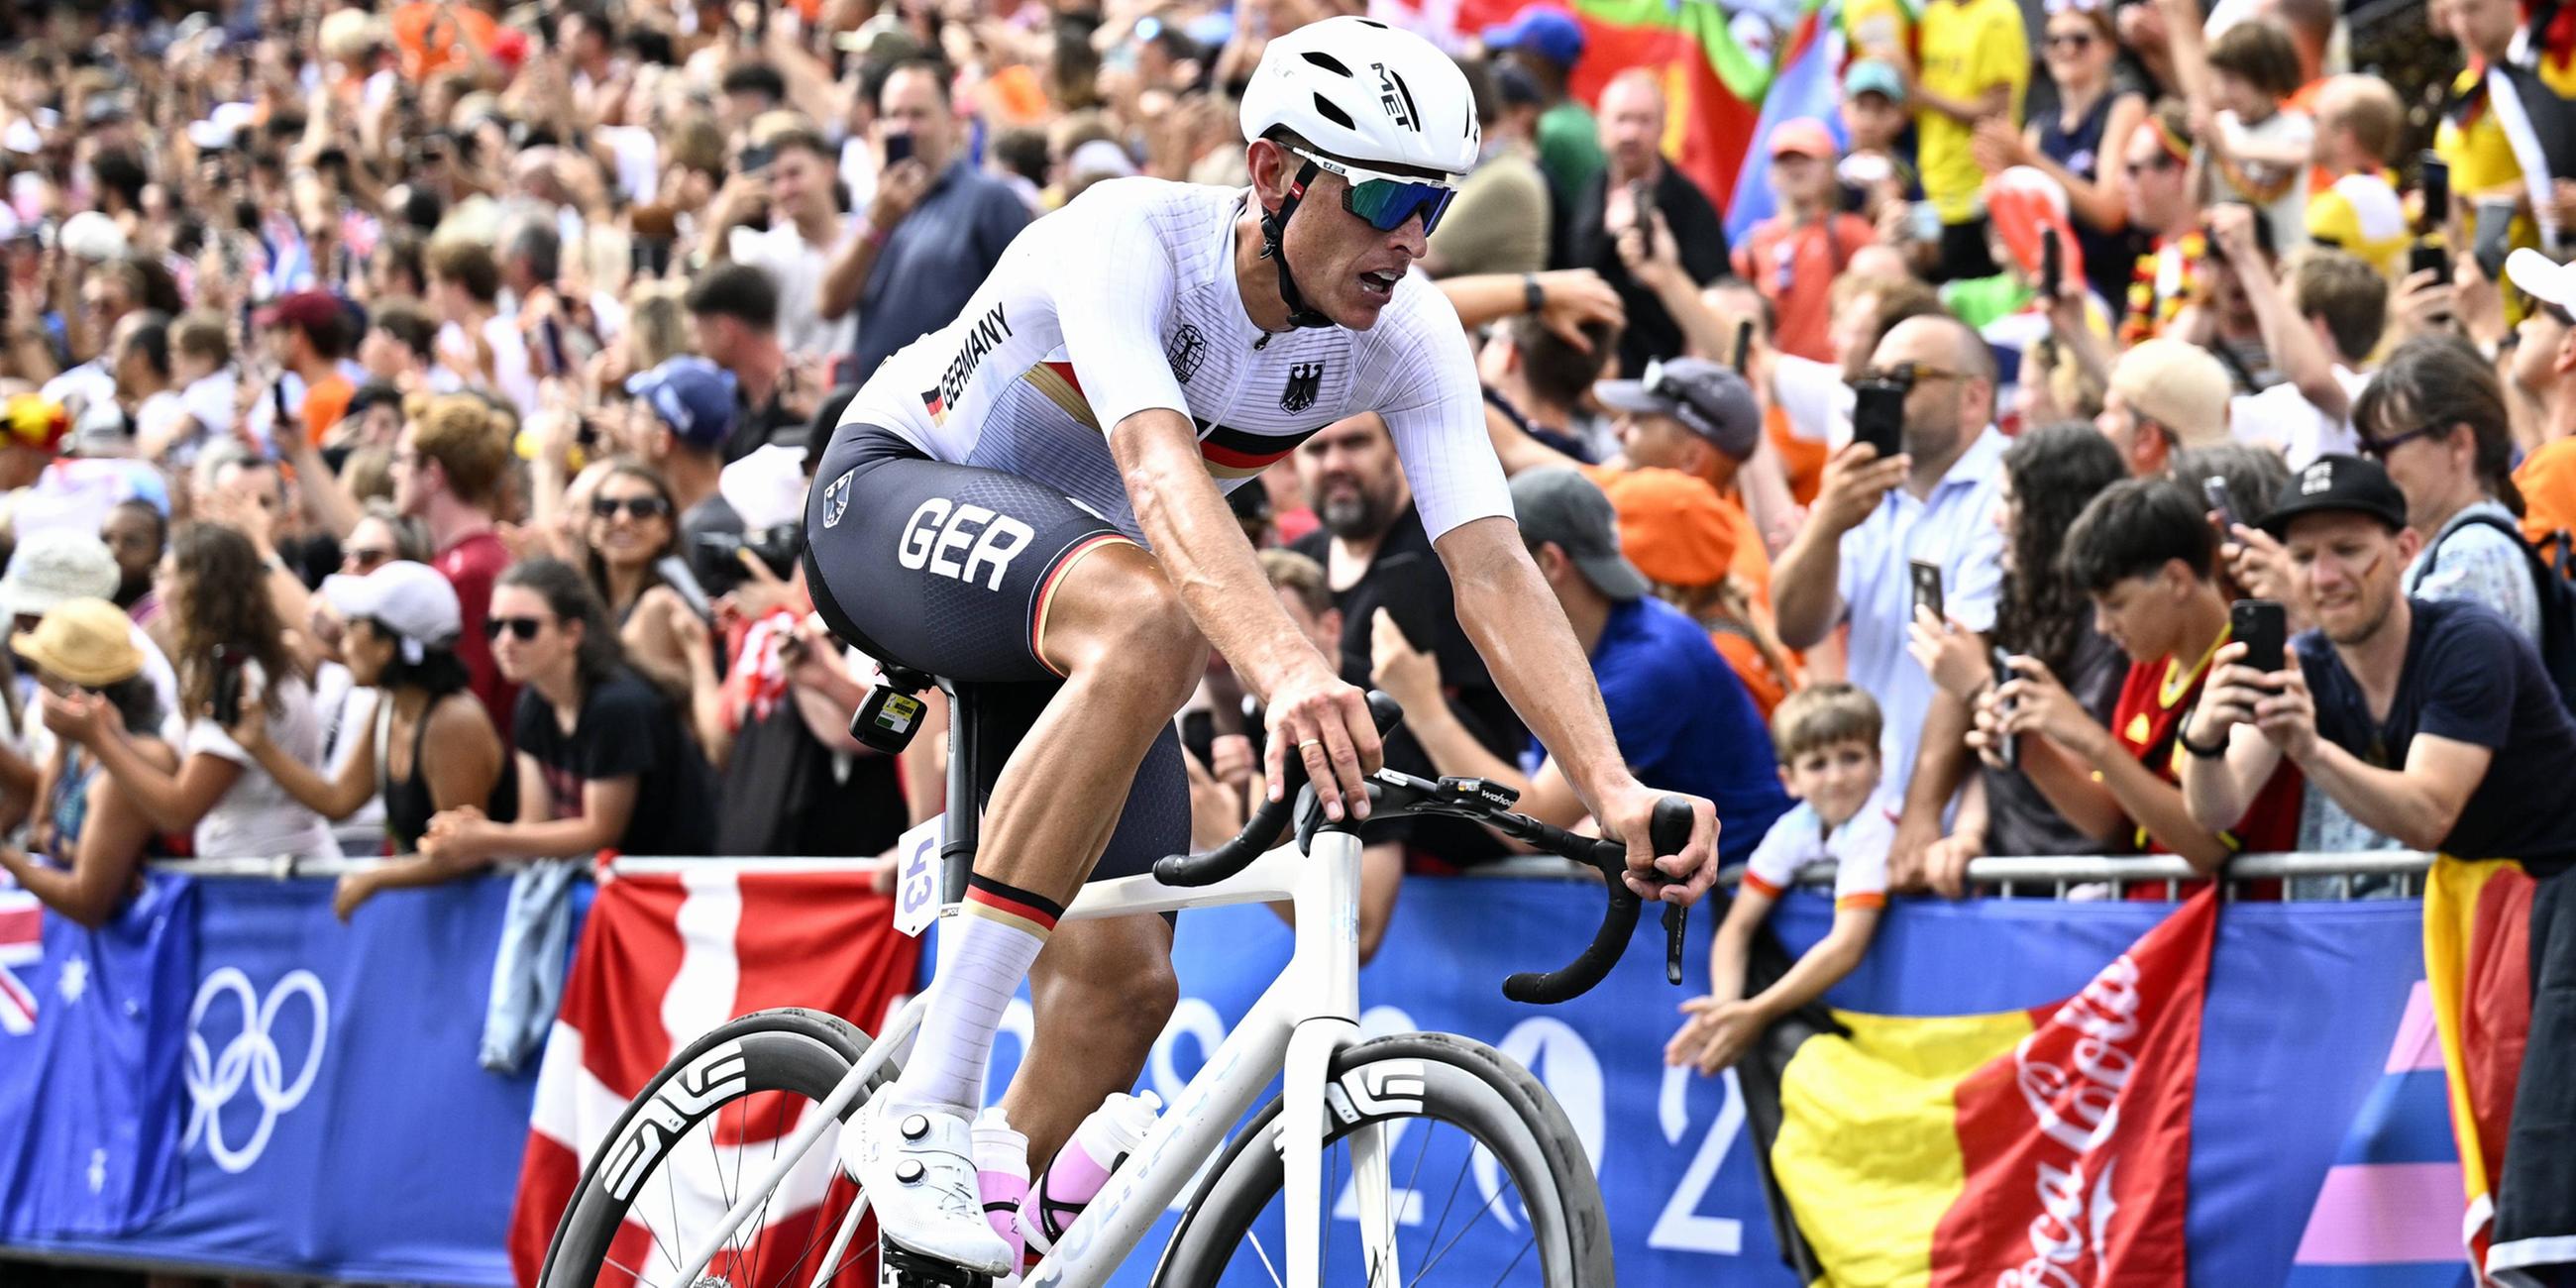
<point>947,569</point>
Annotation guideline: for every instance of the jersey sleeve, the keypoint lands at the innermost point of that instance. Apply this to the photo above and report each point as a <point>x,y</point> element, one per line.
<point>1860,868</point>
<point>1426,390</point>
<point>1113,283</point>
<point>1773,868</point>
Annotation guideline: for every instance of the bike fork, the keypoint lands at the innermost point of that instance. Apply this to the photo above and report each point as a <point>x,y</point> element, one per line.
<point>1307,1093</point>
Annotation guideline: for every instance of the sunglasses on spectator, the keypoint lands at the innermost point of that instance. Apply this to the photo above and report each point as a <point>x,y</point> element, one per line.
<point>1386,203</point>
<point>2379,448</point>
<point>524,628</point>
<point>641,507</point>
<point>365,559</point>
<point>1906,375</point>
<point>2077,40</point>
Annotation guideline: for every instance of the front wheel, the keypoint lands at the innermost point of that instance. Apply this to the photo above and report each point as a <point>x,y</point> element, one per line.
<point>1485,1175</point>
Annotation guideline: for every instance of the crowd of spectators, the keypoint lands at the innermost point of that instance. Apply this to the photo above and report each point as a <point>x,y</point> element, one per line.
<point>409,407</point>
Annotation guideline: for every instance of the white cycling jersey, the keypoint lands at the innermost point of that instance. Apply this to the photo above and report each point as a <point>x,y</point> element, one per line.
<point>1126,300</point>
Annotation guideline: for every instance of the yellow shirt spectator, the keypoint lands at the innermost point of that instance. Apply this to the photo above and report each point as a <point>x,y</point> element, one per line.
<point>1969,47</point>
<point>2361,214</point>
<point>2480,157</point>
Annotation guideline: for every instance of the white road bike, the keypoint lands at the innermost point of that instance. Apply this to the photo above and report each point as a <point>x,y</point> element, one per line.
<point>1455,1162</point>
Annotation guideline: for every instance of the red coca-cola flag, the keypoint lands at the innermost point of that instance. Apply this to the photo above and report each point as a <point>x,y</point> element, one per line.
<point>2077,1146</point>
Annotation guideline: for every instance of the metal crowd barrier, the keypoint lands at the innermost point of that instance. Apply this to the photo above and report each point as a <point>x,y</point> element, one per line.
<point>2378,873</point>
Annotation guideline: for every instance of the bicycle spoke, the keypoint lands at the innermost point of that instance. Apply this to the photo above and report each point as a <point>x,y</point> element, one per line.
<point>1452,1202</point>
<point>1259,1251</point>
<point>1528,1244</point>
<point>1481,1210</point>
<point>631,1272</point>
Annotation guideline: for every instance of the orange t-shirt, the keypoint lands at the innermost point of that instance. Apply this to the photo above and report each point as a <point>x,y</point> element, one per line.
<point>413,24</point>
<point>1803,461</point>
<point>2548,482</point>
<point>1794,266</point>
<point>324,405</point>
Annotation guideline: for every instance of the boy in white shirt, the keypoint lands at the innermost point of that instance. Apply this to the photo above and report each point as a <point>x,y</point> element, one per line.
<point>1827,739</point>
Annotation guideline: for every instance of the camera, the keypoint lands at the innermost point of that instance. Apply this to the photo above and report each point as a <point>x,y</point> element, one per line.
<point>778,548</point>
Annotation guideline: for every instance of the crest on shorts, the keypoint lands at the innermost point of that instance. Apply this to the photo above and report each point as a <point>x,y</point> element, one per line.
<point>1304,379</point>
<point>1186,352</point>
<point>836,499</point>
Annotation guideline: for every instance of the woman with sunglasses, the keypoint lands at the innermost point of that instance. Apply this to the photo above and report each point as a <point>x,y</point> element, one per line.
<point>2435,417</point>
<point>402,623</point>
<point>632,527</point>
<point>232,648</point>
<point>602,761</point>
<point>96,837</point>
<point>2079,144</point>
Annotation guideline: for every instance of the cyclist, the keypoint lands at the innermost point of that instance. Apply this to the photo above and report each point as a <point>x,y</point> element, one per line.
<point>1029,501</point>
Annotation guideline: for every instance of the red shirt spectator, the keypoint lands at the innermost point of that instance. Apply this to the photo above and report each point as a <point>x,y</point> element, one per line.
<point>1793,257</point>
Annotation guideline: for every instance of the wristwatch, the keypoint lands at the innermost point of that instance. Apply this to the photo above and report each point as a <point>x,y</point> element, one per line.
<point>1533,295</point>
<point>2182,738</point>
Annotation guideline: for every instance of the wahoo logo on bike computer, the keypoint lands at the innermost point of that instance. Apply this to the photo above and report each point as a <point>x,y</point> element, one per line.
<point>967,542</point>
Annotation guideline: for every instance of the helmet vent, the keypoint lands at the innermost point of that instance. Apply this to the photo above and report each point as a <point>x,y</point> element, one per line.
<point>1327,62</point>
<point>1337,116</point>
<point>1375,23</point>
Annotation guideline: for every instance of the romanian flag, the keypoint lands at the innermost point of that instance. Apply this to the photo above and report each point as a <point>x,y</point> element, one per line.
<point>2030,1147</point>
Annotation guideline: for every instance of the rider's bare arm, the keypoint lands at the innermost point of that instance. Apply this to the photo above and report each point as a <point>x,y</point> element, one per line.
<point>1195,536</point>
<point>1508,610</point>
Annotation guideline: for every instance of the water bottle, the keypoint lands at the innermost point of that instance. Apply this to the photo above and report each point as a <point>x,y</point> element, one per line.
<point>1002,1174</point>
<point>1099,1146</point>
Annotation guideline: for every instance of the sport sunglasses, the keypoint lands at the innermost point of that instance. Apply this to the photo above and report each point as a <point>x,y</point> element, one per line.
<point>1384,201</point>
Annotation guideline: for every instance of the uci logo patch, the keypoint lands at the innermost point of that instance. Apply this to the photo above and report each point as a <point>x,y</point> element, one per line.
<point>836,499</point>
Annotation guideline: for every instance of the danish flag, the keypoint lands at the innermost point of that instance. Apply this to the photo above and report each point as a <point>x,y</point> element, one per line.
<point>663,960</point>
<point>22,944</point>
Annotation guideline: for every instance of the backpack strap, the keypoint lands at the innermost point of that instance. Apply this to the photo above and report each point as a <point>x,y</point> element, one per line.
<point>2541,569</point>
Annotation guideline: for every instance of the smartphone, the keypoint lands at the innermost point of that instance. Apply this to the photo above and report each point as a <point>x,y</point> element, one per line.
<point>2215,488</point>
<point>1743,346</point>
<point>898,149</point>
<point>2491,237</point>
<point>2007,751</point>
<point>2264,627</point>
<point>277,398</point>
<point>1878,416</point>
<point>2437,193</point>
<point>1927,587</point>
<point>551,331</point>
<point>2429,257</point>
<point>1641,198</point>
<point>2052,267</point>
<point>755,159</point>
<point>227,697</point>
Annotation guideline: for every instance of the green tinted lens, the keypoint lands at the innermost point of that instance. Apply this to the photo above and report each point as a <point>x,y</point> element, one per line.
<point>1388,203</point>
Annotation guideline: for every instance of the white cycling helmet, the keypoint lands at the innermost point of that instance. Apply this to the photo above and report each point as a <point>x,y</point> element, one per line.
<point>1360,90</point>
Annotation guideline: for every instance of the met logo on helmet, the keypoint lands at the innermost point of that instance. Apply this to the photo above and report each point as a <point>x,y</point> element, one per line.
<point>941,530</point>
<point>1397,99</point>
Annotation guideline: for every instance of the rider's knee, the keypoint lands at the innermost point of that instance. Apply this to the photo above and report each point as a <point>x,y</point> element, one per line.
<point>1145,632</point>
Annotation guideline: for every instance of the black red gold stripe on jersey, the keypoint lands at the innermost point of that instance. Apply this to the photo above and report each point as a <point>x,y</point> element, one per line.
<point>1057,381</point>
<point>1235,454</point>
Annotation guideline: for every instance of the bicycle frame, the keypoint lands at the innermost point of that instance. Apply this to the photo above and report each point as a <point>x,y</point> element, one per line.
<point>1300,1024</point>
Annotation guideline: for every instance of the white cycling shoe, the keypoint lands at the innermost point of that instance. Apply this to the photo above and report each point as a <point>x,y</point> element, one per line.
<point>917,1167</point>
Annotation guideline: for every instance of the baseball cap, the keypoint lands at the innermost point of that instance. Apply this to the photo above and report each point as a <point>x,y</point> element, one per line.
<point>1804,136</point>
<point>2178,385</point>
<point>306,311</point>
<point>54,565</point>
<point>1563,507</point>
<point>1709,400</point>
<point>87,641</point>
<point>1545,30</point>
<point>413,600</point>
<point>2542,278</point>
<point>1672,526</point>
<point>694,398</point>
<point>1873,76</point>
<point>2338,482</point>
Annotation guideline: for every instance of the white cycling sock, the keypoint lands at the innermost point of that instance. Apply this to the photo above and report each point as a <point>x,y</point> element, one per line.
<point>999,931</point>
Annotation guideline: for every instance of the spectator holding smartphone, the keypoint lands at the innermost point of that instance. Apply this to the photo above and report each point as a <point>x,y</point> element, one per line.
<point>2434,722</point>
<point>1827,737</point>
<point>232,654</point>
<point>2144,551</point>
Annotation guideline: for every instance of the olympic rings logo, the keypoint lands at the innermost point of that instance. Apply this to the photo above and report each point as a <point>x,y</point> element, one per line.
<point>251,1057</point>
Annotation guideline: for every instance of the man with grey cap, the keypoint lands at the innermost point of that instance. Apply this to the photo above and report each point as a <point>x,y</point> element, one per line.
<point>55,564</point>
<point>1686,414</point>
<point>1681,717</point>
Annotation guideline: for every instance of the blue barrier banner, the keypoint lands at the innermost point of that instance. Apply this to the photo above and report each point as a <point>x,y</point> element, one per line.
<point>336,1122</point>
<point>330,1120</point>
<point>90,1069</point>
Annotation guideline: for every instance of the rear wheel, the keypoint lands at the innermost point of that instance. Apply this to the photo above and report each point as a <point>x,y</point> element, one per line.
<point>1485,1175</point>
<point>705,1127</point>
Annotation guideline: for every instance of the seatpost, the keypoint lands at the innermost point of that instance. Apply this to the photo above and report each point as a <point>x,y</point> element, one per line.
<point>965,817</point>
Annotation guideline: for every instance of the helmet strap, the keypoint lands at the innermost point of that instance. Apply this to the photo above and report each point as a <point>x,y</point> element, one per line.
<point>1274,231</point>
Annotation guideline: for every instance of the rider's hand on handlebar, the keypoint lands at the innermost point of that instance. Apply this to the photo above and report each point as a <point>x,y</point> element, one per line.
<point>1326,723</point>
<point>1673,878</point>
